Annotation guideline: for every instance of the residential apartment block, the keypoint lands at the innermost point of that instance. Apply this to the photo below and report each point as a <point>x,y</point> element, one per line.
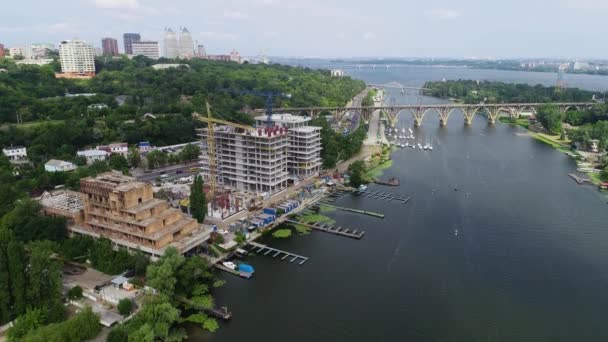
<point>147,48</point>
<point>265,159</point>
<point>109,46</point>
<point>77,58</point>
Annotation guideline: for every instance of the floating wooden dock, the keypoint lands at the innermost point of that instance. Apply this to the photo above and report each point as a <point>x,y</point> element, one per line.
<point>358,211</point>
<point>219,266</point>
<point>385,196</point>
<point>327,228</point>
<point>259,248</point>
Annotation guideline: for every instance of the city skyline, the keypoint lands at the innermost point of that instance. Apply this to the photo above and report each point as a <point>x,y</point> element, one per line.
<point>437,28</point>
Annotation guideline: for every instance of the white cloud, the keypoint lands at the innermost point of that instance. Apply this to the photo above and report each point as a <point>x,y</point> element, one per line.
<point>591,5</point>
<point>117,4</point>
<point>369,35</point>
<point>15,29</point>
<point>210,35</point>
<point>341,35</point>
<point>442,13</point>
<point>62,27</point>
<point>235,15</point>
<point>271,34</point>
<point>127,9</point>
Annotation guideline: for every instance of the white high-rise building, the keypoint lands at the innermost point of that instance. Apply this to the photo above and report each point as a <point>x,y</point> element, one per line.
<point>77,57</point>
<point>266,159</point>
<point>147,48</point>
<point>171,46</point>
<point>186,45</point>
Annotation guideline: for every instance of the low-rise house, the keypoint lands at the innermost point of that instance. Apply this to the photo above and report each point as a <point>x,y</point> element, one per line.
<point>15,152</point>
<point>116,148</point>
<point>55,165</point>
<point>93,155</point>
<point>144,147</point>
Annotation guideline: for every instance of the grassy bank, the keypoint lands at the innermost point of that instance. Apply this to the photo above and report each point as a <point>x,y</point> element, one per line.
<point>519,122</point>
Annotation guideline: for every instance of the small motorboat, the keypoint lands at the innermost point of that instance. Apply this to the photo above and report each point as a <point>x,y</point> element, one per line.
<point>230,265</point>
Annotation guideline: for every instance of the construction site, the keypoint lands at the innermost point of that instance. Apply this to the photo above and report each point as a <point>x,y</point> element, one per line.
<point>243,165</point>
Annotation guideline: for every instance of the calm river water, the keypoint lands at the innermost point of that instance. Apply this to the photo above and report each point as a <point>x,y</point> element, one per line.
<point>518,253</point>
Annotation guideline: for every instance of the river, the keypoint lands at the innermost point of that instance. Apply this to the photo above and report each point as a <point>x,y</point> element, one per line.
<point>518,253</point>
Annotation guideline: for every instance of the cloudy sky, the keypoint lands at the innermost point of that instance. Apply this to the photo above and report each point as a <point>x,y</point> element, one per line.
<point>391,28</point>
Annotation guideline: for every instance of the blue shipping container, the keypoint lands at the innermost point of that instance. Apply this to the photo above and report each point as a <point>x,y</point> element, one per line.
<point>270,211</point>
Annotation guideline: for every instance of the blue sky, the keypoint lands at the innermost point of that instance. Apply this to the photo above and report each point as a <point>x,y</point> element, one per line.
<point>326,28</point>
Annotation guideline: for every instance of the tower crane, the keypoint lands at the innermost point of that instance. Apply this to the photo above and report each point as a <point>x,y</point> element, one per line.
<point>211,121</point>
<point>267,94</point>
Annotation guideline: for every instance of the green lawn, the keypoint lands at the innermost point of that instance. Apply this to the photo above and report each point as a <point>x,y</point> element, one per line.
<point>29,125</point>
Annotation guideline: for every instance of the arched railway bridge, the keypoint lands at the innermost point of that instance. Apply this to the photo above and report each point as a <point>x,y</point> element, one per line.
<point>419,111</point>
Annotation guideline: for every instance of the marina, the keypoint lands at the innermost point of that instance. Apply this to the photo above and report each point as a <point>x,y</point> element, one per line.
<point>327,228</point>
<point>259,248</point>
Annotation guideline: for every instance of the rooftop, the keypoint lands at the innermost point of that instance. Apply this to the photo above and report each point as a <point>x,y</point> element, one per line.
<point>92,153</point>
<point>11,148</point>
<point>114,180</point>
<point>305,129</point>
<point>284,118</point>
<point>57,162</point>
<point>70,201</point>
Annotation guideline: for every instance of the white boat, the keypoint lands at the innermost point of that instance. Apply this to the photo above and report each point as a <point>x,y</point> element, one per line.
<point>411,132</point>
<point>413,146</point>
<point>362,187</point>
<point>425,147</point>
<point>431,147</point>
<point>229,265</point>
<point>419,147</point>
<point>403,130</point>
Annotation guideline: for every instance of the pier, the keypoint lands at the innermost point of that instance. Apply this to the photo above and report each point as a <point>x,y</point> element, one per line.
<point>358,211</point>
<point>259,248</point>
<point>327,228</point>
<point>384,196</point>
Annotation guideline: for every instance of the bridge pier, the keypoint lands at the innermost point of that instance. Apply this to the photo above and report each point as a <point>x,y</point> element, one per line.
<point>418,113</point>
<point>444,115</point>
<point>469,113</point>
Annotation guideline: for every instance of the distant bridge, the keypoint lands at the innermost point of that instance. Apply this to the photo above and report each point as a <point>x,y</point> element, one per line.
<point>419,111</point>
<point>395,85</point>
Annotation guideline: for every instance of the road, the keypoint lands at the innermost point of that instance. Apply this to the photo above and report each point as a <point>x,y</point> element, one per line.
<point>183,170</point>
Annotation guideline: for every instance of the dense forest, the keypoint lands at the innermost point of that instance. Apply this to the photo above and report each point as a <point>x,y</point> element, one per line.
<point>469,91</point>
<point>55,125</point>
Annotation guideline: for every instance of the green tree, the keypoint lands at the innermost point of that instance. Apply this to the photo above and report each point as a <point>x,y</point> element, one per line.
<point>125,306</point>
<point>357,171</point>
<point>156,159</point>
<point>189,153</point>
<point>604,174</point>
<point>134,157</point>
<point>17,268</point>
<point>118,162</point>
<point>75,293</point>
<point>5,294</point>
<point>161,275</point>
<point>82,327</point>
<point>44,281</point>
<point>30,321</point>
<point>198,201</point>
